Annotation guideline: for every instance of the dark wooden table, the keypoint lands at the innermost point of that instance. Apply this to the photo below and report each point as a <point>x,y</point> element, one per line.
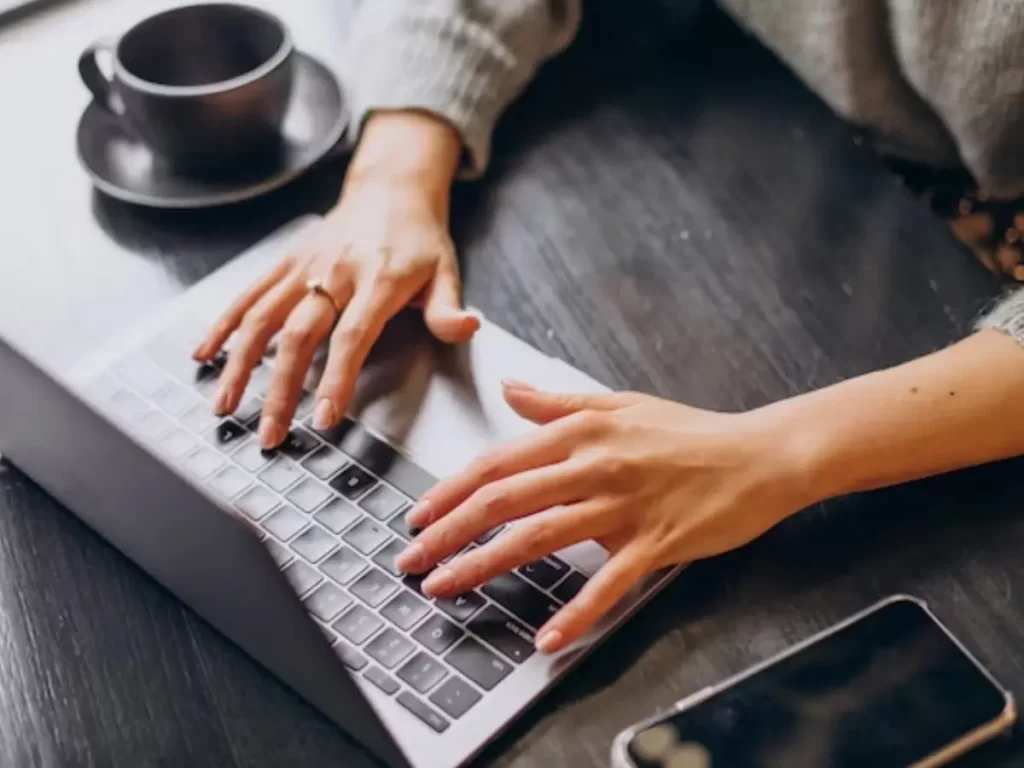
<point>669,211</point>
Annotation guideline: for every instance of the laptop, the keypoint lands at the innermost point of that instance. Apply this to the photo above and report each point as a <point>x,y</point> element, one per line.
<point>290,554</point>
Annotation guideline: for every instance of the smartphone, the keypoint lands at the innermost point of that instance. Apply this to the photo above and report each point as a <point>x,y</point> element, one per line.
<point>890,687</point>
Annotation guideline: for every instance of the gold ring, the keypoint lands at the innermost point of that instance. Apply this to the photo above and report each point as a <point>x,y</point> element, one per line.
<point>316,286</point>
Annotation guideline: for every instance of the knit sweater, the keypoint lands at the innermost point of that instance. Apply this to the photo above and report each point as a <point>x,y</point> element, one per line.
<point>936,81</point>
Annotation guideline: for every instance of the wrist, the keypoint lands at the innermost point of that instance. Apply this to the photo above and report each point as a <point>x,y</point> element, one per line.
<point>799,441</point>
<point>408,147</point>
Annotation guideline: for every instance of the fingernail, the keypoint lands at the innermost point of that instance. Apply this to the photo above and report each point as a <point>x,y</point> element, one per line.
<point>516,384</point>
<point>419,516</point>
<point>411,559</point>
<point>439,582</point>
<point>271,434</point>
<point>220,403</point>
<point>549,641</point>
<point>324,417</point>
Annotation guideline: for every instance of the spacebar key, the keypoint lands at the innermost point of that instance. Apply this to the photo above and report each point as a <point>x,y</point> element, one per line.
<point>522,600</point>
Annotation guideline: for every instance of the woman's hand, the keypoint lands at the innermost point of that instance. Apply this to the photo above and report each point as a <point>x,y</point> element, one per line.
<point>655,482</point>
<point>384,246</point>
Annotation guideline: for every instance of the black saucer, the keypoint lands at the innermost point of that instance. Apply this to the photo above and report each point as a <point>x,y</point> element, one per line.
<point>124,168</point>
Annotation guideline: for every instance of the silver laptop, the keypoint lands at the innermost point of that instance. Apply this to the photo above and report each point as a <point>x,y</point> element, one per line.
<point>291,553</point>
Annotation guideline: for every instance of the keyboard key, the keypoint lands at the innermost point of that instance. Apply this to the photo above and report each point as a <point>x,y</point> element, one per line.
<point>314,543</point>
<point>414,581</point>
<point>281,554</point>
<point>203,462</point>
<point>373,588</point>
<point>199,418</point>
<point>521,600</point>
<point>423,712</point>
<point>154,425</point>
<point>379,457</point>
<point>399,526</point>
<point>229,482</point>
<point>248,409</point>
<point>478,664</point>
<point>352,482</point>
<point>501,632</point>
<point>337,515</point>
<point>488,535</point>
<point>251,457</point>
<point>127,406</point>
<point>344,565</point>
<point>455,697</point>
<point>227,435</point>
<point>382,680</point>
<point>325,462</point>
<point>302,577</point>
<point>281,474</point>
<point>437,634</point>
<point>382,502</point>
<point>178,443</point>
<point>366,536</point>
<point>256,502</point>
<point>298,443</point>
<point>327,602</point>
<point>462,607</point>
<point>308,495</point>
<point>543,573</point>
<point>285,522</point>
<point>140,374</point>
<point>422,673</point>
<point>389,648</point>
<point>349,656</point>
<point>358,625</point>
<point>405,610</point>
<point>386,557</point>
<point>570,587</point>
<point>174,399</point>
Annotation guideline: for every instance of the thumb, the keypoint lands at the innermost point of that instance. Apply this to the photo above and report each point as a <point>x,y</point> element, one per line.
<point>442,308</point>
<point>543,407</point>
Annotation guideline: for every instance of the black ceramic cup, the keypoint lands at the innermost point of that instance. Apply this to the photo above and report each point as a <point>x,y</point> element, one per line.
<point>206,87</point>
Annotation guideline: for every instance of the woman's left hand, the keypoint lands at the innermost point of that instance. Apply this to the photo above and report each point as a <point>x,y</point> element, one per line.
<point>656,483</point>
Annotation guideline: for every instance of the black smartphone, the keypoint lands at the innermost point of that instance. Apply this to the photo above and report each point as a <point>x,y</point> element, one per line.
<point>888,688</point>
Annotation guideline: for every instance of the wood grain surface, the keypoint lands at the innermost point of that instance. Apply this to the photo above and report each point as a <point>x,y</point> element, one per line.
<point>668,210</point>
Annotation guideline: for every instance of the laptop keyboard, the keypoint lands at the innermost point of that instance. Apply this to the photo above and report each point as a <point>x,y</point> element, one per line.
<point>330,508</point>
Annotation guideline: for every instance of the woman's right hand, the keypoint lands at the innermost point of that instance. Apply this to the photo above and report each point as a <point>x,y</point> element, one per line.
<point>384,246</point>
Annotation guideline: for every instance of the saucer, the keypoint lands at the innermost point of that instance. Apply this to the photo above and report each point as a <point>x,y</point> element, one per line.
<point>121,166</point>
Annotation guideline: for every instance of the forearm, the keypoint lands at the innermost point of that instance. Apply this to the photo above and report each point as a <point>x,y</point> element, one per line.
<point>959,407</point>
<point>462,62</point>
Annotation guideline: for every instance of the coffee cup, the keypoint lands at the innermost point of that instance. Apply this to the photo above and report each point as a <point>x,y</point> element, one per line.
<point>205,87</point>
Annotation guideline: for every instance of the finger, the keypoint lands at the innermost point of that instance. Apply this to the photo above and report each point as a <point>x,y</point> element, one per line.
<point>360,325</point>
<point>228,322</point>
<point>443,311</point>
<point>544,407</point>
<point>508,499</point>
<point>598,596</point>
<point>539,448</point>
<point>260,324</point>
<point>307,326</point>
<point>542,534</point>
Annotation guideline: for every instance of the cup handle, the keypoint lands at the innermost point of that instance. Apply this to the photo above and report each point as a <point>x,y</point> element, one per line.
<point>101,86</point>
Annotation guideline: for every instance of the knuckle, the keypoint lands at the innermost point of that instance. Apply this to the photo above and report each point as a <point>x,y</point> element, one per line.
<point>489,467</point>
<point>295,337</point>
<point>493,503</point>
<point>533,539</point>
<point>615,469</point>
<point>587,424</point>
<point>351,333</point>
<point>387,276</point>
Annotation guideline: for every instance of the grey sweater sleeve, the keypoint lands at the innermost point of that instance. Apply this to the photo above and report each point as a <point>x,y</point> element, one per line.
<point>1007,317</point>
<point>462,60</point>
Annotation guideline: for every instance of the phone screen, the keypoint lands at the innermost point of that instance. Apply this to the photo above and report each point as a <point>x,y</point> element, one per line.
<point>887,690</point>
